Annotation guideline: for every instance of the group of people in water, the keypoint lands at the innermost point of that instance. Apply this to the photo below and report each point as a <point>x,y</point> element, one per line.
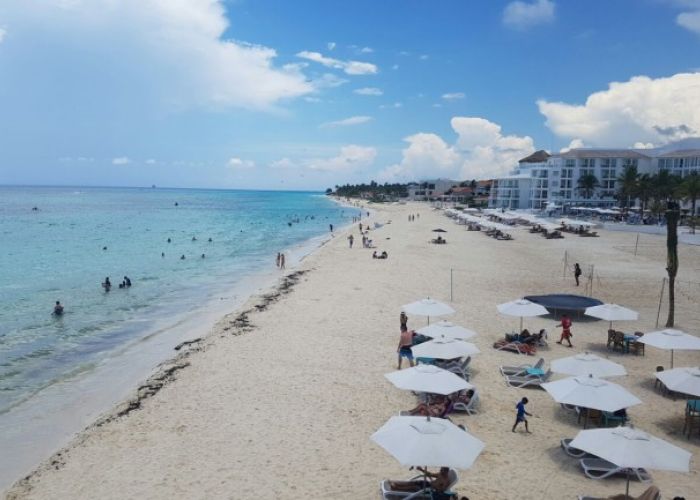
<point>107,284</point>
<point>280,260</point>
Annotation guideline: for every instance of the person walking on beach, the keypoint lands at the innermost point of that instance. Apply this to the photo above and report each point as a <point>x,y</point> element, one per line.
<point>331,227</point>
<point>279,258</point>
<point>281,261</point>
<point>405,343</point>
<point>58,309</point>
<point>351,238</point>
<point>566,330</point>
<point>577,272</point>
<point>520,415</point>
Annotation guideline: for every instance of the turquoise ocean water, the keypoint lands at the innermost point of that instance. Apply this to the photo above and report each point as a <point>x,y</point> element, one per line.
<point>56,253</point>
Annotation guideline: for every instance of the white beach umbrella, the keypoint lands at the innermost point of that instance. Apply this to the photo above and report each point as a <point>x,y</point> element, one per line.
<point>684,380</point>
<point>444,349</point>
<point>670,339</point>
<point>431,442</point>
<point>447,330</point>
<point>428,378</point>
<point>522,308</point>
<point>633,449</point>
<point>612,312</point>
<point>587,364</point>
<point>428,307</point>
<point>592,393</point>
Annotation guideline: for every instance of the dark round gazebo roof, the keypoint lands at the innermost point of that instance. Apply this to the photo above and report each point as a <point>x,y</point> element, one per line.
<point>559,303</point>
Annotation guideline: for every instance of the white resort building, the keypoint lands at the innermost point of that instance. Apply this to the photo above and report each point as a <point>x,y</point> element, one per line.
<point>543,180</point>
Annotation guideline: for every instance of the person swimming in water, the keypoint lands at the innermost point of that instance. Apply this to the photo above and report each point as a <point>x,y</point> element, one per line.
<point>107,285</point>
<point>169,240</point>
<point>210,240</point>
<point>182,257</point>
<point>58,309</point>
<point>194,238</point>
<point>127,281</point>
<point>203,256</point>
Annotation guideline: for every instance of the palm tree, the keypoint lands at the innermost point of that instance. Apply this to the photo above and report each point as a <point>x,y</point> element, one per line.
<point>673,213</point>
<point>587,184</point>
<point>689,190</point>
<point>644,191</point>
<point>628,183</point>
<point>664,185</point>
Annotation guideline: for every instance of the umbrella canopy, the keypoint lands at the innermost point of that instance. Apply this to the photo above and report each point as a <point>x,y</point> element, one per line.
<point>522,308</point>
<point>588,364</point>
<point>591,392</point>
<point>447,330</point>
<point>428,307</point>
<point>631,448</point>
<point>428,378</point>
<point>439,230</point>
<point>671,339</point>
<point>685,380</point>
<point>612,312</point>
<point>433,442</point>
<point>444,349</point>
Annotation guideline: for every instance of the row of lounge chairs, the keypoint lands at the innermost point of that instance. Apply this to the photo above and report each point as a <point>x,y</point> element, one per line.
<point>522,343</point>
<point>422,494</point>
<point>498,234</point>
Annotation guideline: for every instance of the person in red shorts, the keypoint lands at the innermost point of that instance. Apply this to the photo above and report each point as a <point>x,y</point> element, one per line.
<point>566,330</point>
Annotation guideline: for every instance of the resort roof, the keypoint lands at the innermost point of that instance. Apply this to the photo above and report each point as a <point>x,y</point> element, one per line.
<point>536,157</point>
<point>681,153</point>
<point>602,153</point>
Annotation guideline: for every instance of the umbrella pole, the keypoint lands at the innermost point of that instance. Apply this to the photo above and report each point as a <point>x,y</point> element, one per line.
<point>671,358</point>
<point>521,325</point>
<point>627,491</point>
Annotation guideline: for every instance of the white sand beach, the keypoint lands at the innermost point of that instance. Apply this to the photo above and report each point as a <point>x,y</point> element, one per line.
<point>281,403</point>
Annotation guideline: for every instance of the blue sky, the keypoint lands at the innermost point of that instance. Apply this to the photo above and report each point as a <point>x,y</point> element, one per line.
<point>275,94</point>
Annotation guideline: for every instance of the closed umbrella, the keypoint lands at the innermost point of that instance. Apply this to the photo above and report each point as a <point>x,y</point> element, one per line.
<point>670,339</point>
<point>684,380</point>
<point>632,449</point>
<point>612,312</point>
<point>428,378</point>
<point>587,364</point>
<point>444,349</point>
<point>445,329</point>
<point>522,308</point>
<point>591,393</point>
<point>428,307</point>
<point>431,442</point>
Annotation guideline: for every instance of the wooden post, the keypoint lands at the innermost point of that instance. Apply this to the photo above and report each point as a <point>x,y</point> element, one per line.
<point>661,298</point>
<point>636,245</point>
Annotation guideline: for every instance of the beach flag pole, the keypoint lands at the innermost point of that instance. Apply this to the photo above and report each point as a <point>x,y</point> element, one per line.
<point>636,245</point>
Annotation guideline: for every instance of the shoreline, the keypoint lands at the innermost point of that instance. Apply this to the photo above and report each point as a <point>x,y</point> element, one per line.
<point>48,421</point>
<point>295,398</point>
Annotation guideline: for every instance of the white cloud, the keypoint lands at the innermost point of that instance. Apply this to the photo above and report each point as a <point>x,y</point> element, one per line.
<point>151,161</point>
<point>643,145</point>
<point>328,81</point>
<point>437,105</point>
<point>366,50</point>
<point>394,105</point>
<point>312,99</point>
<point>369,91</point>
<point>642,109</point>
<point>523,15</point>
<point>689,21</point>
<point>452,96</point>
<point>331,45</point>
<point>284,163</point>
<point>173,50</point>
<point>121,160</point>
<point>353,120</point>
<point>351,157</point>
<point>480,151</point>
<point>349,67</point>
<point>574,144</point>
<point>239,164</point>
<point>3,33</point>
<point>395,67</point>
<point>423,57</point>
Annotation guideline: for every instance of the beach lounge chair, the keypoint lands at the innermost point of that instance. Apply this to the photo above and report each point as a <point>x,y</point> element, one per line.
<point>468,408</point>
<point>528,380</point>
<point>573,452</point>
<point>460,368</point>
<point>597,468</point>
<point>422,494</point>
<point>651,493</point>
<point>516,347</point>
<point>520,369</point>
<point>609,418</point>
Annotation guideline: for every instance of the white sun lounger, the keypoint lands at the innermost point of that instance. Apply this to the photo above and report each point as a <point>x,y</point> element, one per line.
<point>470,407</point>
<point>460,368</point>
<point>574,452</point>
<point>651,493</point>
<point>528,381</point>
<point>520,369</point>
<point>597,468</point>
<point>424,494</point>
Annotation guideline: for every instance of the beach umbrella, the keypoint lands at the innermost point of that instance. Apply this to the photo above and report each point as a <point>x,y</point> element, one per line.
<point>522,308</point>
<point>632,449</point>
<point>444,349</point>
<point>430,442</point>
<point>428,307</point>
<point>428,378</point>
<point>591,393</point>
<point>670,339</point>
<point>612,312</point>
<point>439,230</point>
<point>587,364</point>
<point>684,380</point>
<point>446,330</point>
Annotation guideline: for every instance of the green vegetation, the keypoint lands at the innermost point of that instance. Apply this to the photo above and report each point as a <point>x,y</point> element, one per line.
<point>371,191</point>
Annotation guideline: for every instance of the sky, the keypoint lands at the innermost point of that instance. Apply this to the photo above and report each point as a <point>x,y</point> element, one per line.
<point>279,94</point>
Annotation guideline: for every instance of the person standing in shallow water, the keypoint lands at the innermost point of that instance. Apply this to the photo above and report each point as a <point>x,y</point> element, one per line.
<point>277,261</point>
<point>281,261</point>
<point>577,272</point>
<point>107,285</point>
<point>58,309</point>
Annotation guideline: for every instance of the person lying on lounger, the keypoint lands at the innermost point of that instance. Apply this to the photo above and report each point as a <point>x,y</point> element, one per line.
<point>463,397</point>
<point>439,482</point>
<point>435,409</point>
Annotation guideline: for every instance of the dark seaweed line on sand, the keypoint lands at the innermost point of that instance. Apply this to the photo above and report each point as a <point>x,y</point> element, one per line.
<point>166,373</point>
